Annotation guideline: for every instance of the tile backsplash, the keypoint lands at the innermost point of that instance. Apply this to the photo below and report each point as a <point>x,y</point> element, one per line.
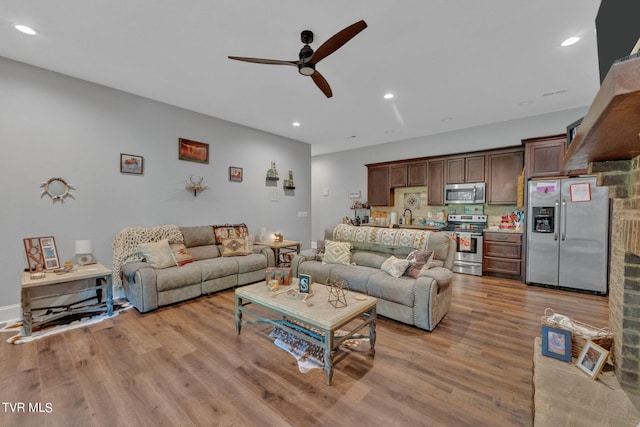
<point>416,200</point>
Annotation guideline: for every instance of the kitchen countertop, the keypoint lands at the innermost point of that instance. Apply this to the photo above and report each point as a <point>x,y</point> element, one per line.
<point>416,227</point>
<point>520,231</point>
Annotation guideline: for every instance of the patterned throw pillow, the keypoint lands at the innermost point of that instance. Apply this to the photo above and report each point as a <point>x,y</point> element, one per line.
<point>229,231</point>
<point>336,252</point>
<point>236,246</point>
<point>417,261</point>
<point>394,266</point>
<point>158,254</point>
<point>180,254</point>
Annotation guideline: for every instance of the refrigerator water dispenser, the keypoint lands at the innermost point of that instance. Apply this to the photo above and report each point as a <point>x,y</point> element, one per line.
<point>543,219</point>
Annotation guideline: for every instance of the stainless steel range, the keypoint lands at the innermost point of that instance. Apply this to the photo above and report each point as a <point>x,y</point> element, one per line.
<point>468,230</point>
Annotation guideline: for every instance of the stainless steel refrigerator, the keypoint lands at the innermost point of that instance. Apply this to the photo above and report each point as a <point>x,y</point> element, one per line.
<point>568,234</point>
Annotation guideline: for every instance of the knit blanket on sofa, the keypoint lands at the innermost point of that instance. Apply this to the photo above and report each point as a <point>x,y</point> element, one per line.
<point>126,242</point>
<point>418,239</point>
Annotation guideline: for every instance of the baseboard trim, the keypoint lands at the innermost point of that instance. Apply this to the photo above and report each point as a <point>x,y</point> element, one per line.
<point>10,313</point>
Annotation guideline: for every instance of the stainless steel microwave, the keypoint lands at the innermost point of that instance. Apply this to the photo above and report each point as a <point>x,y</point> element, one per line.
<point>464,193</point>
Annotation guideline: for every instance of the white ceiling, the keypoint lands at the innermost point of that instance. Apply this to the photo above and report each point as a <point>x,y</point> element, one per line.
<point>452,64</point>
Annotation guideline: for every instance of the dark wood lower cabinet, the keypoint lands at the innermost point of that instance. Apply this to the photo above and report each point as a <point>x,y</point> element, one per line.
<point>502,255</point>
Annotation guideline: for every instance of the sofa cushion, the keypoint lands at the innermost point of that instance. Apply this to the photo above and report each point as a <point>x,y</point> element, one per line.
<point>417,261</point>
<point>201,235</point>
<point>218,267</point>
<point>180,254</point>
<point>337,252</point>
<point>357,276</point>
<point>177,277</point>
<point>227,231</point>
<point>204,252</point>
<point>368,259</point>
<point>439,244</point>
<point>319,250</point>
<point>236,246</point>
<point>395,266</point>
<point>158,254</point>
<point>251,262</point>
<point>397,251</point>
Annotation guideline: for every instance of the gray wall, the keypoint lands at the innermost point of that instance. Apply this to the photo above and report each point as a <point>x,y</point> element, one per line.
<point>345,172</point>
<point>57,126</point>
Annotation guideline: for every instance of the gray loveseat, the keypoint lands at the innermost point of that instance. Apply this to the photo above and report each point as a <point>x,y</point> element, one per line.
<point>421,301</point>
<point>148,288</point>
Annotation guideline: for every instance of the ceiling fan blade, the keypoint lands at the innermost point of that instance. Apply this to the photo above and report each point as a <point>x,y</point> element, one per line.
<point>337,40</point>
<point>264,61</point>
<point>322,83</point>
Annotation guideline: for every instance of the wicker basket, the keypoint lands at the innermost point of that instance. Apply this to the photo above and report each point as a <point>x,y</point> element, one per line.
<point>599,336</point>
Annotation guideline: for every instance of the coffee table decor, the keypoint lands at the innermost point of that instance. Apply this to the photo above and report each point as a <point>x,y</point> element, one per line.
<point>338,288</point>
<point>316,323</point>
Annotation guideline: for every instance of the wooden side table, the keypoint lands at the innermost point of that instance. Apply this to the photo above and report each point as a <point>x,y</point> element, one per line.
<point>283,247</point>
<point>80,279</point>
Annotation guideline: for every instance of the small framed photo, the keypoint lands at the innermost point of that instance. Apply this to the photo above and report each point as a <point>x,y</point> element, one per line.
<point>130,163</point>
<point>304,283</point>
<point>235,174</point>
<point>556,343</point>
<point>592,359</point>
<point>193,151</point>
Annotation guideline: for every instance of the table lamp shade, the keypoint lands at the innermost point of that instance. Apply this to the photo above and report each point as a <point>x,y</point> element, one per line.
<point>84,247</point>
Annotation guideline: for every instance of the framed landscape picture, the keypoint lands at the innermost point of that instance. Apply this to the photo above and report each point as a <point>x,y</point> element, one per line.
<point>193,151</point>
<point>556,343</point>
<point>592,359</point>
<point>130,163</point>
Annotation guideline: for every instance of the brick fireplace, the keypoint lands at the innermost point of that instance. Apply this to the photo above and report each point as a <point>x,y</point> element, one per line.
<point>623,179</point>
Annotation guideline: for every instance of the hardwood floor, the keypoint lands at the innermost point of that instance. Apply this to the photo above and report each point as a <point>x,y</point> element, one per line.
<point>185,366</point>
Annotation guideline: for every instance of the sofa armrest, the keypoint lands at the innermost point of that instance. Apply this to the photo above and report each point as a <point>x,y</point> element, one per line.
<point>139,283</point>
<point>267,252</point>
<point>306,255</point>
<point>441,275</point>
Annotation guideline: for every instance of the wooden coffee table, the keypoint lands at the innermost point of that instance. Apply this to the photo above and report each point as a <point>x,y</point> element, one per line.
<point>290,312</point>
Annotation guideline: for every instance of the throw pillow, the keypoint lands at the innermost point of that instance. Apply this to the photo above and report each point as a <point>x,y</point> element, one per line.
<point>336,252</point>
<point>180,254</point>
<point>417,261</point>
<point>394,266</point>
<point>158,254</point>
<point>235,246</point>
<point>229,231</point>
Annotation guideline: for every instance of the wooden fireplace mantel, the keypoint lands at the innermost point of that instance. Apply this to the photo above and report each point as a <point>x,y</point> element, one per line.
<point>611,128</point>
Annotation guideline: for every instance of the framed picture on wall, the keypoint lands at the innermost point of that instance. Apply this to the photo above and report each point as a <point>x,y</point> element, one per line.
<point>193,151</point>
<point>235,174</point>
<point>130,163</point>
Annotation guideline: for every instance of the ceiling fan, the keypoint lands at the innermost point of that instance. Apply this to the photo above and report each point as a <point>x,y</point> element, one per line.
<point>308,58</point>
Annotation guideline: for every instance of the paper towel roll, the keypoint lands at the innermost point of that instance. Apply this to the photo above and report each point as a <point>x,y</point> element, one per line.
<point>394,217</point>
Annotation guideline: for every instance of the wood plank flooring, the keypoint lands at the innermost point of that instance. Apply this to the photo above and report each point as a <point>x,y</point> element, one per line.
<point>184,365</point>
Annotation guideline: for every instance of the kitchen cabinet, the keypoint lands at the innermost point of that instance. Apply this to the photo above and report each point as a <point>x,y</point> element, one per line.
<point>544,156</point>
<point>378,188</point>
<point>397,176</point>
<point>435,182</point>
<point>503,170</point>
<point>502,255</point>
<point>416,174</point>
<point>465,169</point>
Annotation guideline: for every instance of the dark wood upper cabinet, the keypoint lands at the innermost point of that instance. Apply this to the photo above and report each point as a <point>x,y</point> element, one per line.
<point>544,156</point>
<point>416,174</point>
<point>378,189</point>
<point>435,182</point>
<point>397,176</point>
<point>503,170</point>
<point>465,169</point>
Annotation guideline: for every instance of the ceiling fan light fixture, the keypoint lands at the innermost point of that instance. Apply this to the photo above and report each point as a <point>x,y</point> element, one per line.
<point>307,68</point>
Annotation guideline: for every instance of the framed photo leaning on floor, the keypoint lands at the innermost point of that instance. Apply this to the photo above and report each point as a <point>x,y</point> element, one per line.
<point>592,359</point>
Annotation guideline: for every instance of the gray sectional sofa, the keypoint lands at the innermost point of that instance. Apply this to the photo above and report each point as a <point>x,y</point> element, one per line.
<point>148,288</point>
<point>422,301</point>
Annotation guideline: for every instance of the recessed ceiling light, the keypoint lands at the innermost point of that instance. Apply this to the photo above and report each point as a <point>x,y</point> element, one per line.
<point>570,41</point>
<point>388,96</point>
<point>446,119</point>
<point>295,124</point>
<point>25,29</point>
<point>527,102</point>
